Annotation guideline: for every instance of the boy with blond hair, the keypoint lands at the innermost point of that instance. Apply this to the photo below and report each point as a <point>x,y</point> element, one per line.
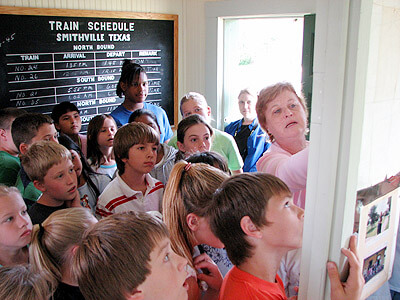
<point>49,166</point>
<point>134,260</point>
<point>254,216</point>
<point>135,151</point>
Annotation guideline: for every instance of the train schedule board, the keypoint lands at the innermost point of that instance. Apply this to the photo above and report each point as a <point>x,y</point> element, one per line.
<point>48,56</point>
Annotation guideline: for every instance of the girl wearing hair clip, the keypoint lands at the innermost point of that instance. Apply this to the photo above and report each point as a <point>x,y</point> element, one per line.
<point>15,227</point>
<point>185,211</point>
<point>52,249</point>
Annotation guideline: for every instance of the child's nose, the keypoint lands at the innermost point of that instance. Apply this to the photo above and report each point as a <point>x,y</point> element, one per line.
<point>300,213</point>
<point>181,262</point>
<point>71,178</point>
<point>150,152</point>
<point>22,221</point>
<point>202,145</point>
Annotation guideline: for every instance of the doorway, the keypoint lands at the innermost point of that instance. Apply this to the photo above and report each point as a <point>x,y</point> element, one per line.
<point>258,52</point>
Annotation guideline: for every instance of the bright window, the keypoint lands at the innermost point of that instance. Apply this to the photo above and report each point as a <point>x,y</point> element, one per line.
<point>259,52</point>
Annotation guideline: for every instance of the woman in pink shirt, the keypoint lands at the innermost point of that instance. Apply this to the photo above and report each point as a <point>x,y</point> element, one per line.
<point>283,115</point>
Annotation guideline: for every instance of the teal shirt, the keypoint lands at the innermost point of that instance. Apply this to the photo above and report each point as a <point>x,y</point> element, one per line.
<point>224,144</point>
<point>9,168</point>
<point>28,192</point>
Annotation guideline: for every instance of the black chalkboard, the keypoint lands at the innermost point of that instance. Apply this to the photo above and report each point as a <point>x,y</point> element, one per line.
<point>47,58</point>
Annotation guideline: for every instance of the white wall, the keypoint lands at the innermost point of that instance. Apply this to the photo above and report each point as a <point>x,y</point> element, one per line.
<point>380,151</point>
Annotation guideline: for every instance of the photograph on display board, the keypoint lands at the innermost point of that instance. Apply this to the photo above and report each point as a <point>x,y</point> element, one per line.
<point>378,218</point>
<point>374,264</point>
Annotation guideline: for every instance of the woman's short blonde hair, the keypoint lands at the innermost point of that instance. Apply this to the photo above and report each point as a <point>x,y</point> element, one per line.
<point>248,91</point>
<point>268,94</point>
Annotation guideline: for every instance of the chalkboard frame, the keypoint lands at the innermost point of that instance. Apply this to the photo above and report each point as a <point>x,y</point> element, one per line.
<point>10,10</point>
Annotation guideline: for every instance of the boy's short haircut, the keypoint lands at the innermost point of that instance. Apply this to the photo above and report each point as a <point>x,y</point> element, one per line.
<point>19,282</point>
<point>25,127</point>
<point>113,258</point>
<point>242,195</point>
<point>129,135</point>
<point>62,108</point>
<point>7,115</point>
<point>41,156</point>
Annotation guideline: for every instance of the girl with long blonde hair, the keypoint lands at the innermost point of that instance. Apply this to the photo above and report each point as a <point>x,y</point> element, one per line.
<point>52,249</point>
<point>185,211</point>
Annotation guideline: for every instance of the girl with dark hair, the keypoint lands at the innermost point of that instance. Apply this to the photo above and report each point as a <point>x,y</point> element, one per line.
<point>134,86</point>
<point>210,158</point>
<point>193,135</point>
<point>101,131</point>
<point>90,183</point>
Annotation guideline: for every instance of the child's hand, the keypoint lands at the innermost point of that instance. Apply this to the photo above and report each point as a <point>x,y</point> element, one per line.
<point>352,288</point>
<point>213,277</point>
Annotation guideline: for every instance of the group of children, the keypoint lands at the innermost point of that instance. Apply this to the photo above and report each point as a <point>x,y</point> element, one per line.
<point>172,222</point>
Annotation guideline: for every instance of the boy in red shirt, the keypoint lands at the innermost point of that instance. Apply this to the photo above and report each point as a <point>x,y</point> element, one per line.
<point>254,216</point>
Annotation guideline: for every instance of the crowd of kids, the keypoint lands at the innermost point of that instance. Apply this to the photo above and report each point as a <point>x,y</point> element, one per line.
<point>130,211</point>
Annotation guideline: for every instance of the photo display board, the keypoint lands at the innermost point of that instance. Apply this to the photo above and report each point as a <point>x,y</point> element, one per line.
<point>48,56</point>
<point>377,224</point>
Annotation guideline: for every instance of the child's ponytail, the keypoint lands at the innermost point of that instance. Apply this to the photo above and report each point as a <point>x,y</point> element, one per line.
<point>189,190</point>
<point>40,259</point>
<point>52,240</point>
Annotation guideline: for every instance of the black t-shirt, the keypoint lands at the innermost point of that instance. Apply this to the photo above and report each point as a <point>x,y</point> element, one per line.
<point>241,137</point>
<point>67,292</point>
<point>39,212</point>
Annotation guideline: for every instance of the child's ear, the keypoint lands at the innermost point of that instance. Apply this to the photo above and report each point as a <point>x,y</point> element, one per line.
<point>39,185</point>
<point>3,133</point>
<point>249,228</point>
<point>181,147</point>
<point>136,295</point>
<point>123,86</point>
<point>74,248</point>
<point>57,126</point>
<point>192,221</point>
<point>23,148</point>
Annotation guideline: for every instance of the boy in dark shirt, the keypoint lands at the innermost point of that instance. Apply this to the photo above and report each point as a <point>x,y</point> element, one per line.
<point>49,166</point>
